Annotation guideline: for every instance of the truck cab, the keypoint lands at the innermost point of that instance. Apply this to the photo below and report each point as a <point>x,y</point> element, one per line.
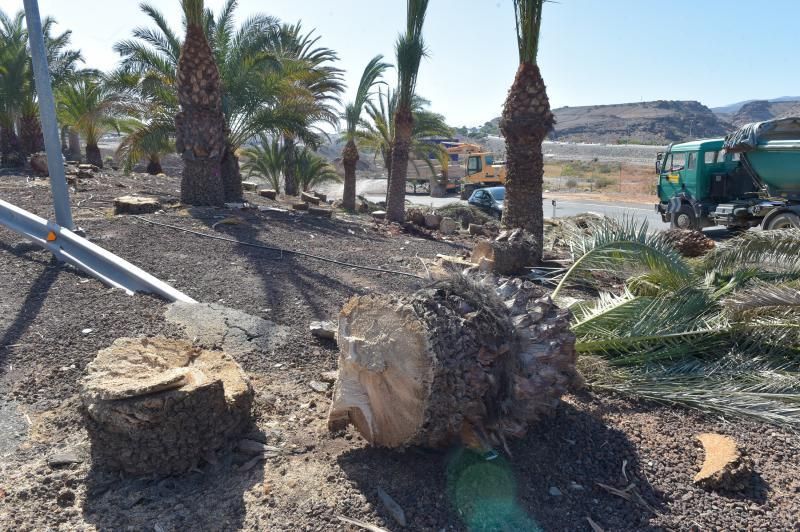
<point>482,171</point>
<point>695,179</point>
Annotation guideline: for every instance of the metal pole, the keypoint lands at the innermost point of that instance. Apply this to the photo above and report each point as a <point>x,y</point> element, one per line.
<point>47,112</point>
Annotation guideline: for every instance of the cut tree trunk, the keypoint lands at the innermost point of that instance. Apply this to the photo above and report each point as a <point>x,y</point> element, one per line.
<point>154,165</point>
<point>396,192</point>
<point>349,161</point>
<point>93,155</point>
<point>159,406</point>
<point>309,198</point>
<point>135,205</point>
<point>449,364</point>
<point>525,123</point>
<point>513,251</point>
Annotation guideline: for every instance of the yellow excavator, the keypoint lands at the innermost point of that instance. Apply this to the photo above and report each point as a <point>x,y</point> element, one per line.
<point>482,171</point>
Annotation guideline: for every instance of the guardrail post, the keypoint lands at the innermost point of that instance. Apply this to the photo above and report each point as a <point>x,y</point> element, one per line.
<point>47,112</point>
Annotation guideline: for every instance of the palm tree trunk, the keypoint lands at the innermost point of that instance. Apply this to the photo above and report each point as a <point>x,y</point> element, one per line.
<point>349,161</point>
<point>10,152</point>
<point>231,175</point>
<point>525,123</point>
<point>31,136</point>
<point>289,178</point>
<point>64,137</point>
<point>396,192</point>
<point>93,155</point>
<point>200,125</point>
<point>74,145</point>
<point>154,165</point>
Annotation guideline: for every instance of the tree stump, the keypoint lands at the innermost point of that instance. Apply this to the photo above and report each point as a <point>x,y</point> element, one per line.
<point>309,198</point>
<point>451,363</point>
<point>38,164</point>
<point>300,206</point>
<point>320,211</point>
<point>135,205</point>
<point>268,193</point>
<point>514,251</point>
<point>158,406</point>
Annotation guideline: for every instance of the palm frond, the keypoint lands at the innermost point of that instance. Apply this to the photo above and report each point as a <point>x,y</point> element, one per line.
<point>528,17</point>
<point>769,251</point>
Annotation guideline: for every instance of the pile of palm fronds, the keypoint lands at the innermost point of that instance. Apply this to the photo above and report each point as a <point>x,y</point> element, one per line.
<point>720,333</point>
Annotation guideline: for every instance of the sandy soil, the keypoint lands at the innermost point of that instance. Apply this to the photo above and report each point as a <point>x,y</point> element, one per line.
<point>551,480</point>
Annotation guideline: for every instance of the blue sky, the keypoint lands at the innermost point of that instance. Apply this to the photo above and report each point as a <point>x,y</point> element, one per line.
<point>592,51</point>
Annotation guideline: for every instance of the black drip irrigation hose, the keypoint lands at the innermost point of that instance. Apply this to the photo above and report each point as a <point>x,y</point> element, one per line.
<point>281,250</point>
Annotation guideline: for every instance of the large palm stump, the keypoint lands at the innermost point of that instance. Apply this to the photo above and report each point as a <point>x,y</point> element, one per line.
<point>158,406</point>
<point>451,363</point>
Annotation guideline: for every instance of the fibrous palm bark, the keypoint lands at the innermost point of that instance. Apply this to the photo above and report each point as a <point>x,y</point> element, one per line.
<point>289,173</point>
<point>31,136</point>
<point>525,123</point>
<point>349,161</point>
<point>93,155</point>
<point>401,146</point>
<point>200,125</point>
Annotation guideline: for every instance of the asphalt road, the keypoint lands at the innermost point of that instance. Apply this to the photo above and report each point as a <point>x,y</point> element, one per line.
<point>564,208</point>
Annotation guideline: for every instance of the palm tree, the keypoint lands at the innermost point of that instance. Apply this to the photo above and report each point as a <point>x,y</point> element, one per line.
<point>409,49</point>
<point>267,159</point>
<point>311,170</point>
<point>377,133</point>
<point>525,122</point>
<point>92,109</point>
<point>200,124</point>
<point>443,158</point>
<point>352,117</point>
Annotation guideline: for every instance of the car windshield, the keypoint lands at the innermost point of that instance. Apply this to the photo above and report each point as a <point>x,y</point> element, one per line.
<point>499,194</point>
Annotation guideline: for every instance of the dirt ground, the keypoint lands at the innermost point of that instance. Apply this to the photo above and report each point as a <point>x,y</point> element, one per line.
<point>53,320</point>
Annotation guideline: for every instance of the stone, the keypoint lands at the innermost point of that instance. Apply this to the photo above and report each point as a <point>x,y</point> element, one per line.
<point>432,221</point>
<point>328,376</point>
<point>160,406</point>
<point>448,226</point>
<point>725,466</point>
<point>554,491</point>
<point>268,193</point>
<point>136,205</point>
<point>323,329</point>
<point>318,386</point>
<point>476,230</point>
<point>63,458</point>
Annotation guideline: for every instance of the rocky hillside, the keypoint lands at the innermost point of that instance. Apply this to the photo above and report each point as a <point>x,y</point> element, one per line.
<point>658,122</point>
<point>760,110</point>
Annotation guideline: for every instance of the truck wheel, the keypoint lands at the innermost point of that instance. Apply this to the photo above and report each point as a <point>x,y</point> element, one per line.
<point>784,220</point>
<point>684,219</point>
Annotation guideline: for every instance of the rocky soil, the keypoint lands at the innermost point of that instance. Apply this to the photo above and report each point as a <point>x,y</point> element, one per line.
<point>620,464</point>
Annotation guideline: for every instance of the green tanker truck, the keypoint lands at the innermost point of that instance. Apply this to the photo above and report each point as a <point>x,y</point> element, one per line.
<point>751,178</point>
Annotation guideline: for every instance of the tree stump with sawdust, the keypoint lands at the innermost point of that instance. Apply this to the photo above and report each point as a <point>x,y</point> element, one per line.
<point>450,363</point>
<point>159,406</point>
<point>514,251</point>
<point>135,205</point>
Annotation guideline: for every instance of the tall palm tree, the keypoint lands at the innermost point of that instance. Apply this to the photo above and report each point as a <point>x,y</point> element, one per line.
<point>410,49</point>
<point>200,124</point>
<point>14,87</point>
<point>525,122</point>
<point>377,133</point>
<point>92,109</point>
<point>352,117</point>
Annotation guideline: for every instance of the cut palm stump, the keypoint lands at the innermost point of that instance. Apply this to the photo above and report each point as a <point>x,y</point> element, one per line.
<point>135,205</point>
<point>268,193</point>
<point>514,251</point>
<point>158,406</point>
<point>309,198</point>
<point>450,363</point>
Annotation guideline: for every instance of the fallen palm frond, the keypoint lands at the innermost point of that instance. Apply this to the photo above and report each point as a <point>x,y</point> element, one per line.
<point>721,335</point>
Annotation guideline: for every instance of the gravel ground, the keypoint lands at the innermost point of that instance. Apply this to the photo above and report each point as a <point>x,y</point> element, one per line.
<point>550,480</point>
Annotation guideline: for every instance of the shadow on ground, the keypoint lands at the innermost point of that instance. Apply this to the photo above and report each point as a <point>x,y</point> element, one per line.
<point>549,482</point>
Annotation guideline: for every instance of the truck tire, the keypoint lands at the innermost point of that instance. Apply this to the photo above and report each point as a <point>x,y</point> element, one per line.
<point>784,220</point>
<point>684,218</point>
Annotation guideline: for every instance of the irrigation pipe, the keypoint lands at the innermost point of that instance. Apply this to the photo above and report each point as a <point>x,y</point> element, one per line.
<point>272,248</point>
